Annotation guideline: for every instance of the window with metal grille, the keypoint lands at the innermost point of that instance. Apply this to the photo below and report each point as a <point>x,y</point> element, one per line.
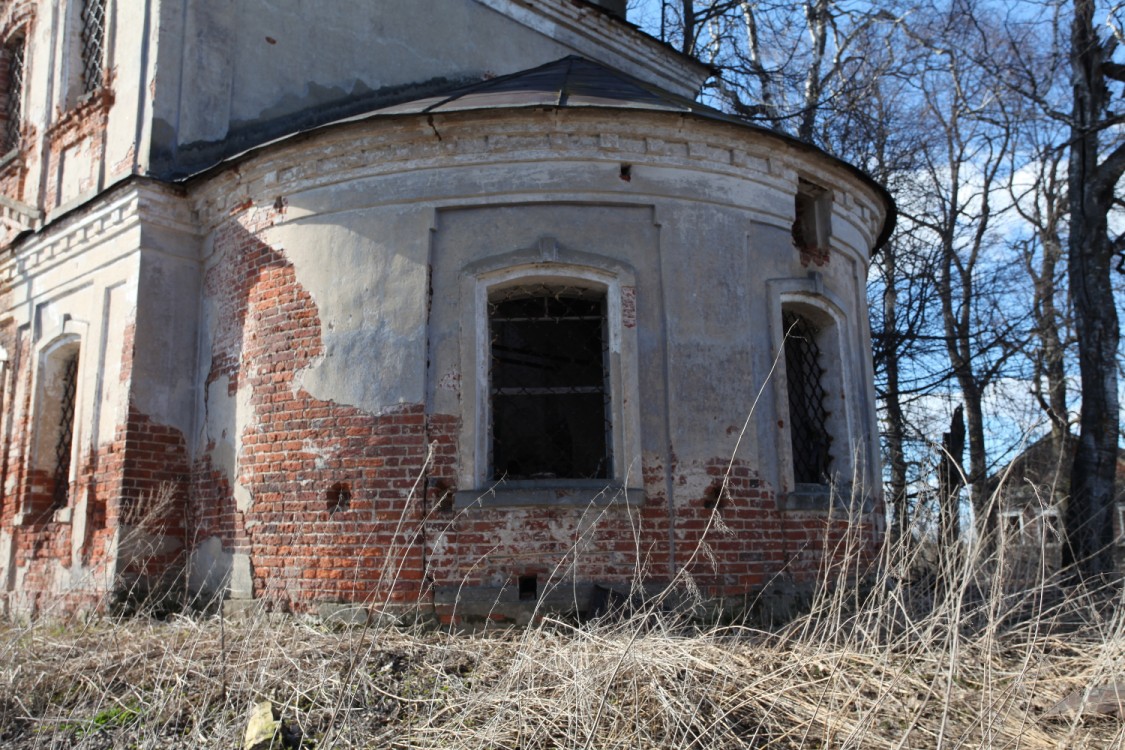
<point>550,403</point>
<point>68,391</point>
<point>93,45</point>
<point>13,92</point>
<point>808,416</point>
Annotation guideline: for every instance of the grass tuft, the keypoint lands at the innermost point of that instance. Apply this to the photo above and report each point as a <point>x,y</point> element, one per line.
<point>973,652</point>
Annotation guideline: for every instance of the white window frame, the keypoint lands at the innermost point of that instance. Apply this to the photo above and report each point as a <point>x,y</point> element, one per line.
<point>561,267</point>
<point>808,297</point>
<point>1017,514</point>
<point>1044,538</point>
<point>53,348</point>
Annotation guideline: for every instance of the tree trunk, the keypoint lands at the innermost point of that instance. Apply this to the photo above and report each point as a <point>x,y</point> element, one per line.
<point>951,479</point>
<point>1089,528</point>
<point>817,17</point>
<point>1050,364</point>
<point>896,432</point>
<point>687,46</point>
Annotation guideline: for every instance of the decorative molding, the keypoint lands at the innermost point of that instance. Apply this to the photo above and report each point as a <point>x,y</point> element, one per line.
<point>137,203</point>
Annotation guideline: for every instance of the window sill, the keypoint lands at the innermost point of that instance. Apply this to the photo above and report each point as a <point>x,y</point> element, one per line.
<point>824,498</point>
<point>84,116</point>
<point>574,494</point>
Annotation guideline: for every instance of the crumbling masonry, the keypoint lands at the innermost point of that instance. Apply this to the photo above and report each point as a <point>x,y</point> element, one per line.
<point>297,319</point>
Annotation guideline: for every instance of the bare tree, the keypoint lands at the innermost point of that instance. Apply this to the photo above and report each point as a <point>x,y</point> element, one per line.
<point>1038,194</point>
<point>1093,175</point>
<point>781,63</point>
<point>965,168</point>
<point>907,91</point>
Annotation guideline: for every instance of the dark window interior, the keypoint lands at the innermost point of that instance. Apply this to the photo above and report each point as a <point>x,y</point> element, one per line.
<point>550,402</point>
<point>68,392</point>
<point>13,93</point>
<point>808,418</point>
<point>93,42</point>
<point>808,207</point>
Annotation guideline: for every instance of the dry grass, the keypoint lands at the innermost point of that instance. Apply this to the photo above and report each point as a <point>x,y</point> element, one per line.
<point>899,668</point>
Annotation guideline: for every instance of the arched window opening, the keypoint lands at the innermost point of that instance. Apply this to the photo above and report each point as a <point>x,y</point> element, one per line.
<point>67,396</point>
<point>549,392</point>
<point>808,413</point>
<point>93,45</point>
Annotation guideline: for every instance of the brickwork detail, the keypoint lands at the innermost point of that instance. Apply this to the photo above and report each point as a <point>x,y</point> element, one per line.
<point>115,487</point>
<point>300,453</point>
<point>84,126</point>
<point>815,256</point>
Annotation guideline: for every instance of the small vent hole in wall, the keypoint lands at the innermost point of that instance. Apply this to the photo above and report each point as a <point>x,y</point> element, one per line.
<point>441,492</point>
<point>714,495</point>
<point>339,497</point>
<point>529,588</point>
<point>626,172</point>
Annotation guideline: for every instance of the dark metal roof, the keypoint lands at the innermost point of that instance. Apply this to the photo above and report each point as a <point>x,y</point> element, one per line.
<point>570,82</point>
<point>573,82</point>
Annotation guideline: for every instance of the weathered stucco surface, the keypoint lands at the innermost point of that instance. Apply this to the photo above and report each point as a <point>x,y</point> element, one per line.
<point>387,249</point>
<point>283,386</point>
<point>232,75</point>
<point>355,269</point>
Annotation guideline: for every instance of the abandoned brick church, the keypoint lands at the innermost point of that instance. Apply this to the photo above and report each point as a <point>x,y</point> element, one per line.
<point>463,306</point>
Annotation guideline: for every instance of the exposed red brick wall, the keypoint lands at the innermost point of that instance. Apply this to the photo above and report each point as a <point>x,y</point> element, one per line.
<point>152,500</point>
<point>118,479</point>
<point>729,542</point>
<point>347,505</point>
<point>303,549</point>
<point>395,538</point>
<point>815,256</point>
<point>83,126</point>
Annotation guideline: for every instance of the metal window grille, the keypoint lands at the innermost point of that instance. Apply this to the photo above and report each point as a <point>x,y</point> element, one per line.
<point>66,432</point>
<point>550,401</point>
<point>93,45</point>
<point>14,111</point>
<point>808,418</point>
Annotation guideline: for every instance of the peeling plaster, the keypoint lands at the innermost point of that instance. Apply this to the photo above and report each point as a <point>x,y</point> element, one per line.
<point>224,432</point>
<point>374,334</point>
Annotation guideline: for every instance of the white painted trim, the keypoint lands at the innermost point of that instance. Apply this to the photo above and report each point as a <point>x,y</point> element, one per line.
<point>1017,514</point>
<point>554,265</point>
<point>849,448</point>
